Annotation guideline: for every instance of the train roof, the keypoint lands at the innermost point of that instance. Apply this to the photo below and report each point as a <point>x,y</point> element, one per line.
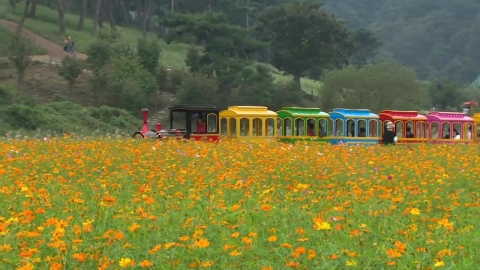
<point>402,115</point>
<point>352,113</point>
<point>195,107</point>
<point>302,112</point>
<point>248,111</point>
<point>449,116</point>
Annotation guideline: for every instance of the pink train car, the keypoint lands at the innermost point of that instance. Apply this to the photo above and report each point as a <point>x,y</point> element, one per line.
<point>444,125</point>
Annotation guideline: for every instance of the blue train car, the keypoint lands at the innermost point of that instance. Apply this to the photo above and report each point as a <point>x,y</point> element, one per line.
<point>354,126</point>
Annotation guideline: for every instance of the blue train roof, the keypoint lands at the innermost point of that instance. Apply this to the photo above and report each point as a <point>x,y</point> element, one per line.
<point>352,113</point>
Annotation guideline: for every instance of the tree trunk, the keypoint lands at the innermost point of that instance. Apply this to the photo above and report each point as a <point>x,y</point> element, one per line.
<point>61,16</point>
<point>83,12</point>
<point>247,19</point>
<point>296,79</point>
<point>13,3</point>
<point>172,3</point>
<point>33,10</point>
<point>146,16</point>
<point>126,13</point>
<point>22,20</point>
<point>96,11</point>
<point>111,18</point>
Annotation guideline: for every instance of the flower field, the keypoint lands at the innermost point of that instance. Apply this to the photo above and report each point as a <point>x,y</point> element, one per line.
<point>112,204</point>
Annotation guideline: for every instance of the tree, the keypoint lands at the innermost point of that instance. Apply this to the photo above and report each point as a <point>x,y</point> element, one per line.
<point>62,8</point>
<point>149,54</point>
<point>366,46</point>
<point>83,13</point>
<point>13,3</point>
<point>22,20</point>
<point>96,12</point>
<point>445,94</point>
<point>387,85</point>
<point>198,88</point>
<point>19,53</point>
<point>33,9</point>
<point>70,70</point>
<point>302,38</point>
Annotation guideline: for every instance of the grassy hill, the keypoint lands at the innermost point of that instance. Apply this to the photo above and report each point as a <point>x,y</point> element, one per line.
<point>173,56</point>
<point>5,35</point>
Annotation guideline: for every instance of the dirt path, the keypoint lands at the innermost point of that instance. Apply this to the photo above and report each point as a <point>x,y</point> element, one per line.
<point>55,51</point>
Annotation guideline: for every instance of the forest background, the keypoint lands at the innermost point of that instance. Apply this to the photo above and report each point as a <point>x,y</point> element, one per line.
<point>375,54</point>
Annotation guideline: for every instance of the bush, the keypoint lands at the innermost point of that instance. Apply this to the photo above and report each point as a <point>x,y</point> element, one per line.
<point>148,51</point>
<point>7,94</point>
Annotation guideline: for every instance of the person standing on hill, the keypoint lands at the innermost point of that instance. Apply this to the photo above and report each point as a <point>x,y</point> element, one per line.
<point>65,47</point>
<point>72,45</point>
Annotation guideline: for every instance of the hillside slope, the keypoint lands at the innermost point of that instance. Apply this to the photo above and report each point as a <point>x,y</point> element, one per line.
<point>173,55</point>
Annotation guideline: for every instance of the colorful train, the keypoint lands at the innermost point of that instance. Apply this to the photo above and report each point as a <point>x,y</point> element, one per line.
<point>292,124</point>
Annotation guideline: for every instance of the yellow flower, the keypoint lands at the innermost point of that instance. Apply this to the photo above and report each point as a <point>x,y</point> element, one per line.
<point>322,226</point>
<point>415,211</point>
<point>351,263</point>
<point>438,264</point>
<point>126,262</point>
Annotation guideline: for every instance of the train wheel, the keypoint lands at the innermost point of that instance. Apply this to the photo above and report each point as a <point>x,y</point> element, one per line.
<point>138,135</point>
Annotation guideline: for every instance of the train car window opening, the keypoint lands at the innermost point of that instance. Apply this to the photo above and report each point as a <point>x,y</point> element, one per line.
<point>178,120</point>
<point>232,130</point>
<point>280,127</point>
<point>330,128</point>
<point>270,124</point>
<point>457,130</point>
<point>447,131</point>
<point>223,126</point>
<point>467,131</point>
<point>339,128</point>
<point>372,128</point>
<point>421,130</point>
<point>244,127</point>
<point>211,122</point>
<point>351,128</point>
<point>312,127</point>
<point>322,128</point>
<point>300,127</point>
<point>435,130</point>
<point>362,128</point>
<point>287,127</point>
<point>399,129</point>
<point>410,130</point>
<point>257,129</point>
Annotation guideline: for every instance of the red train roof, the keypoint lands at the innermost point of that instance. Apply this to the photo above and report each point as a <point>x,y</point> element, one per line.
<point>401,115</point>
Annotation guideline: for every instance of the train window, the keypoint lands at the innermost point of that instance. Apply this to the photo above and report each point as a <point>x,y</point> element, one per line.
<point>311,127</point>
<point>322,127</point>
<point>257,129</point>
<point>362,128</point>
<point>270,124</point>
<point>372,128</point>
<point>457,130</point>
<point>351,128</point>
<point>233,127</point>
<point>178,119</point>
<point>300,127</point>
<point>410,130</point>
<point>287,127</point>
<point>421,130</point>
<point>434,130</point>
<point>279,127</point>
<point>223,126</point>
<point>338,127</point>
<point>330,127</point>
<point>399,129</point>
<point>211,122</point>
<point>446,131</point>
<point>467,131</point>
<point>244,127</point>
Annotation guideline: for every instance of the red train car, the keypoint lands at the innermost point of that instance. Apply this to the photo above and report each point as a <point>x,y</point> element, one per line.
<point>200,122</point>
<point>410,126</point>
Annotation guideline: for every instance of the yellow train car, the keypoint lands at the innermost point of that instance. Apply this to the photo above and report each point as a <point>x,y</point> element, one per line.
<point>248,122</point>
<point>475,133</point>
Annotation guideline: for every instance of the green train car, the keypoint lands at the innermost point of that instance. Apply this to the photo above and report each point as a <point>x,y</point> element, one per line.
<point>302,124</point>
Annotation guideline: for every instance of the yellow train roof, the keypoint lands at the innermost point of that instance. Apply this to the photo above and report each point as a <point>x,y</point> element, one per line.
<point>247,111</point>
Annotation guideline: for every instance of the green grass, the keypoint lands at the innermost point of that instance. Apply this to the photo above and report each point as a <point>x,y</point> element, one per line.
<point>173,56</point>
<point>6,35</point>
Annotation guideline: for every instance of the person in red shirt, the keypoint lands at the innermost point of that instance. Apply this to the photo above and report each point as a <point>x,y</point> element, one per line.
<point>201,127</point>
<point>311,129</point>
